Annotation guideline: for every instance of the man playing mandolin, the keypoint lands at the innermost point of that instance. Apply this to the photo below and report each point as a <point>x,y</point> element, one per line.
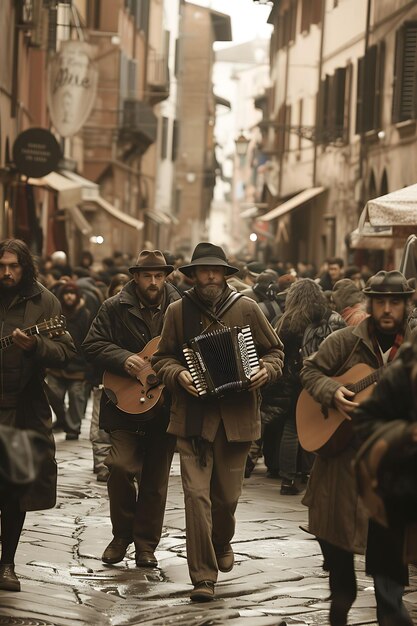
<point>140,447</point>
<point>32,338</point>
<point>336,515</point>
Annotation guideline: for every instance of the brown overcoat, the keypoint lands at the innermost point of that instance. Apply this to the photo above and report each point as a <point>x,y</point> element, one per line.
<point>239,411</point>
<point>336,513</point>
<point>32,306</point>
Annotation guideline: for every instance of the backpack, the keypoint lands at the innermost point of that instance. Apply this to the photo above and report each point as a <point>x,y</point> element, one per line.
<point>316,333</point>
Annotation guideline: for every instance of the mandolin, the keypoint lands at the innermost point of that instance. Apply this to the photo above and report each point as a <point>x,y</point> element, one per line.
<point>324,430</point>
<point>53,327</point>
<point>136,396</point>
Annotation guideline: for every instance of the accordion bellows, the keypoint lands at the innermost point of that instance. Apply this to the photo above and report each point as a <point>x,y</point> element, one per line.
<point>222,361</point>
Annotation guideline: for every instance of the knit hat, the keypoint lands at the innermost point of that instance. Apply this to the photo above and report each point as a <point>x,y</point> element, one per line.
<point>345,293</point>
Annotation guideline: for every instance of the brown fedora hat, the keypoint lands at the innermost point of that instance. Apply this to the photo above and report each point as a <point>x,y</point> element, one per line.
<point>206,253</point>
<point>151,260</point>
<point>392,283</point>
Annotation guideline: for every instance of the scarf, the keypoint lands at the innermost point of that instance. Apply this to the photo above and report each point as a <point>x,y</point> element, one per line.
<point>398,340</point>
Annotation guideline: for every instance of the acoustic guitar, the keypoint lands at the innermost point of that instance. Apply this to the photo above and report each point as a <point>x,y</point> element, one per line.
<point>136,396</point>
<point>53,327</point>
<point>324,430</point>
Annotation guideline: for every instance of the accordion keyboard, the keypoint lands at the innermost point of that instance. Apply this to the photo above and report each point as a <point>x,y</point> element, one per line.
<point>222,361</point>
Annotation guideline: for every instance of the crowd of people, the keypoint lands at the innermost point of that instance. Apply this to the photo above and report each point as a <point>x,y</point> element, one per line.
<point>309,329</point>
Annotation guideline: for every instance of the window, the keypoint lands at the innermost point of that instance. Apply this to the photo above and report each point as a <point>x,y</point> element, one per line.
<point>333,106</point>
<point>164,138</point>
<point>311,13</point>
<point>175,140</point>
<point>404,103</point>
<point>370,82</point>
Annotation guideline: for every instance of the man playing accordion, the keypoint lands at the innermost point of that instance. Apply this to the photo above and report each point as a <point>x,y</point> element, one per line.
<point>214,434</point>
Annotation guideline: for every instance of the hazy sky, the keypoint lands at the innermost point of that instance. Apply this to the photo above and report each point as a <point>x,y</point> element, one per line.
<point>248,17</point>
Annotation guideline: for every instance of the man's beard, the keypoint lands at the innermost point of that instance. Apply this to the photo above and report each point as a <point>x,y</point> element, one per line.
<point>398,326</point>
<point>9,289</point>
<point>150,296</point>
<point>210,292</point>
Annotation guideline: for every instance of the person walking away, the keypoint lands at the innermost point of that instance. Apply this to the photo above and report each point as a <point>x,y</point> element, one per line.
<point>140,450</point>
<point>336,516</point>
<point>24,304</point>
<point>306,308</point>
<point>214,435</point>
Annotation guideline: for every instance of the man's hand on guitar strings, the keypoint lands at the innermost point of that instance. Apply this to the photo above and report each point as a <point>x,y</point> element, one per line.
<point>186,381</point>
<point>341,402</point>
<point>260,378</point>
<point>23,341</point>
<point>133,365</point>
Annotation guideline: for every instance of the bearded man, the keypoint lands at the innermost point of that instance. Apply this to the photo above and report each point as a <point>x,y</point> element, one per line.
<point>123,326</point>
<point>26,304</point>
<point>213,435</point>
<point>336,515</point>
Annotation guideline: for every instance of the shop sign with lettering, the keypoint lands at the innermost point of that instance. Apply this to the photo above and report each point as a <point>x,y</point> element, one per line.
<point>36,152</point>
<point>71,86</point>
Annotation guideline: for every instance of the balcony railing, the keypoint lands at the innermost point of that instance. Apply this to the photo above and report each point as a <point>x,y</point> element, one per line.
<point>139,123</point>
<point>157,77</point>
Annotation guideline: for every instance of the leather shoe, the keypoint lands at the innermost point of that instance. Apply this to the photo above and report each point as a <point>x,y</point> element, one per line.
<point>203,592</point>
<point>116,550</point>
<point>289,488</point>
<point>8,579</point>
<point>146,559</point>
<point>225,558</point>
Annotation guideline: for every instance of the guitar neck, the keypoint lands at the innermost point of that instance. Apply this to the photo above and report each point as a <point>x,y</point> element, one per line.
<point>7,341</point>
<point>368,380</point>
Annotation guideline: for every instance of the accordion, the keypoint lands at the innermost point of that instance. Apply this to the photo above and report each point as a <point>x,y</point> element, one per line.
<point>221,361</point>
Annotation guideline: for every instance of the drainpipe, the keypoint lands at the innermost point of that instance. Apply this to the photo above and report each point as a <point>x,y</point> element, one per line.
<point>362,150</point>
<point>320,67</point>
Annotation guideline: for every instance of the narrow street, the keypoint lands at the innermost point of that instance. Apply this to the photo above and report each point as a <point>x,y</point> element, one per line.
<point>277,578</point>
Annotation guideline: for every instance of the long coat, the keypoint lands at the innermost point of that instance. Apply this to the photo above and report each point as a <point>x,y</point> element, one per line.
<point>239,411</point>
<point>34,305</point>
<point>118,331</point>
<point>336,513</point>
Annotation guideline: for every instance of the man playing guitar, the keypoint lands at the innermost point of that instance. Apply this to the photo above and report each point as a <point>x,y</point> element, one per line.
<point>140,447</point>
<point>336,516</point>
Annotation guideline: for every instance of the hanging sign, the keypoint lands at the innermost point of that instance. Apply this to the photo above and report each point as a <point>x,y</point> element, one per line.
<point>36,152</point>
<point>71,86</point>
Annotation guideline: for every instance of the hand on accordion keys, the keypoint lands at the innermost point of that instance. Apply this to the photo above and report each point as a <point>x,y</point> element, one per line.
<point>186,381</point>
<point>260,378</point>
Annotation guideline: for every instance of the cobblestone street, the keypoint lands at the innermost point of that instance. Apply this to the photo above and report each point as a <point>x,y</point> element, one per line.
<point>277,578</point>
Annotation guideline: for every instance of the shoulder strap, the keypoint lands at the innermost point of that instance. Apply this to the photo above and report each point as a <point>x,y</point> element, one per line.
<point>229,302</point>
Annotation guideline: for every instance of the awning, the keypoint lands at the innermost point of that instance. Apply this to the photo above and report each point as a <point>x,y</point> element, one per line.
<point>250,212</point>
<point>89,189</point>
<point>69,192</point>
<point>369,238</point>
<point>129,220</point>
<point>292,203</point>
<point>79,220</point>
<point>158,216</point>
<point>398,208</point>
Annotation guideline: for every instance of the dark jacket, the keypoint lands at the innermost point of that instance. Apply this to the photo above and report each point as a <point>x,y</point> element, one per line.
<point>33,306</point>
<point>118,331</point>
<point>392,400</point>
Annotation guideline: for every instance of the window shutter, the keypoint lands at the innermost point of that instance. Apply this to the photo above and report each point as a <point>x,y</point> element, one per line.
<point>368,103</point>
<point>347,105</point>
<point>175,140</point>
<point>339,89</point>
<point>379,85</point>
<point>359,96</point>
<point>408,79</point>
<point>164,138</point>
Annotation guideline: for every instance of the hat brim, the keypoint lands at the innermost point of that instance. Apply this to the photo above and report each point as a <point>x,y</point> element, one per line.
<point>152,268</point>
<point>397,294</point>
<point>188,269</point>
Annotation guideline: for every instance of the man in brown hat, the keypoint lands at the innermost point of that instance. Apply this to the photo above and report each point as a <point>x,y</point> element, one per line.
<point>336,516</point>
<point>213,435</point>
<point>141,448</point>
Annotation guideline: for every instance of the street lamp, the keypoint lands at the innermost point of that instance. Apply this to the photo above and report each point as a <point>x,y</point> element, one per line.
<point>242,144</point>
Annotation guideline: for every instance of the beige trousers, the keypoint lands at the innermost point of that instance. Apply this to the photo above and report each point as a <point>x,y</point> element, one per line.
<point>211,494</point>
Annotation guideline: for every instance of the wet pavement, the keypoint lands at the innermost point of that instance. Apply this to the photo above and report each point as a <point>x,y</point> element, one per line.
<point>277,578</point>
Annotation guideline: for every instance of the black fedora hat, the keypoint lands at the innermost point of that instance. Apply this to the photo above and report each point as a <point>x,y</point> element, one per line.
<point>151,260</point>
<point>206,253</point>
<point>392,283</point>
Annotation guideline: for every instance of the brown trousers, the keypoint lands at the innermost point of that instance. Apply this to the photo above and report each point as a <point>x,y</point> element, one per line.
<point>211,494</point>
<point>137,513</point>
